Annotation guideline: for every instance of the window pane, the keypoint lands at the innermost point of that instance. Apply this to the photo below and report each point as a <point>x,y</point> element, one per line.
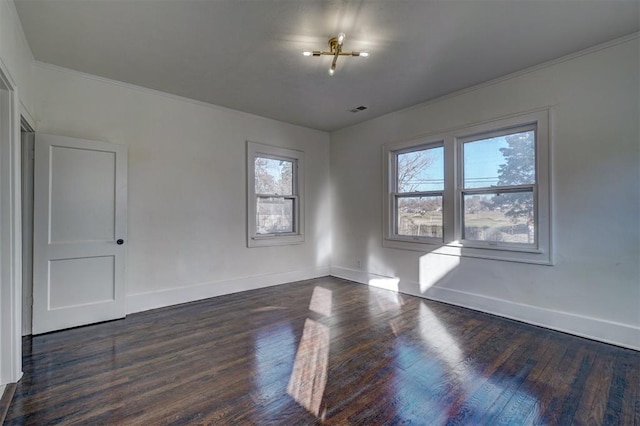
<point>506,217</point>
<point>500,161</point>
<point>273,176</point>
<point>421,170</point>
<point>274,215</point>
<point>419,216</point>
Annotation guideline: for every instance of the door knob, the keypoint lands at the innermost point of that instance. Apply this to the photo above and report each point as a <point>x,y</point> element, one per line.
<point>120,242</point>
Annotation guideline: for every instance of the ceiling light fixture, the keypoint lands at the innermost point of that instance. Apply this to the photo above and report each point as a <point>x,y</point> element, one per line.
<point>335,50</point>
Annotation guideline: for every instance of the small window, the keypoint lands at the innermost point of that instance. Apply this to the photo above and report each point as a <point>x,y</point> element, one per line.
<point>419,182</point>
<point>274,195</point>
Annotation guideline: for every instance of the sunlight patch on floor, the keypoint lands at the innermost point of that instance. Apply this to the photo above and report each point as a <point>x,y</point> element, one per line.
<point>309,376</point>
<point>310,367</point>
<point>386,300</point>
<point>436,336</point>
<point>321,301</point>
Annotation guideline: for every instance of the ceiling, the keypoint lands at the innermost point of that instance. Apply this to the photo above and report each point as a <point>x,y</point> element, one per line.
<point>246,54</point>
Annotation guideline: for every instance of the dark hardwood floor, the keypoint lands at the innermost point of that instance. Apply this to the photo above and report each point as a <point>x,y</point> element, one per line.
<point>322,351</point>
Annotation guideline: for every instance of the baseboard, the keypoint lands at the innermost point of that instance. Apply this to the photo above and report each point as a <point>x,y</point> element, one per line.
<point>159,299</point>
<point>592,328</point>
<point>363,277</point>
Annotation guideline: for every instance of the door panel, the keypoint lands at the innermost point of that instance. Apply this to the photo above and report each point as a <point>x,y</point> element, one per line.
<point>82,210</point>
<point>68,278</point>
<point>79,215</point>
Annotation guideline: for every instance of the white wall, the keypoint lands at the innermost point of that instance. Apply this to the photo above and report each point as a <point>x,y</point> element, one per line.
<point>187,186</point>
<point>594,287</point>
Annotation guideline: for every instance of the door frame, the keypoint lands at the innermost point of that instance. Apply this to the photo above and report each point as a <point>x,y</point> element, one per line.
<point>10,231</point>
<point>27,140</point>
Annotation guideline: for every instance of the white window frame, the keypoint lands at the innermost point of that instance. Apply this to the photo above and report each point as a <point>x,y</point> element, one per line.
<point>452,205</point>
<point>254,239</point>
<point>395,195</point>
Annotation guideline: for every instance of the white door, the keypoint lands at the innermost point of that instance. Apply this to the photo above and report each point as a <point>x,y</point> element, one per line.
<point>80,195</point>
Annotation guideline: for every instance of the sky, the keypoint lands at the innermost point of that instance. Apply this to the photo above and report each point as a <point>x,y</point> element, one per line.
<point>482,160</point>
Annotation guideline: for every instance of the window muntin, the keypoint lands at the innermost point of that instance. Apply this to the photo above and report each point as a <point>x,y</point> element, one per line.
<point>515,195</point>
<point>417,200</point>
<point>498,187</point>
<point>274,195</point>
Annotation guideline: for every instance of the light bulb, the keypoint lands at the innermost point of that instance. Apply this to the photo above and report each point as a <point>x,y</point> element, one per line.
<point>341,37</point>
<point>331,71</point>
<point>365,54</point>
<point>307,53</point>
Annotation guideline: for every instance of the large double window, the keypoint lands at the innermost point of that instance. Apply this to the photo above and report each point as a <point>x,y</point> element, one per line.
<point>274,199</point>
<point>479,191</point>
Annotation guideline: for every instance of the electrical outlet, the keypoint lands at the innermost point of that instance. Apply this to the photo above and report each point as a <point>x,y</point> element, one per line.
<point>359,264</point>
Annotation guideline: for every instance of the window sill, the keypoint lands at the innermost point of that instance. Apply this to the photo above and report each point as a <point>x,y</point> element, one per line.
<point>274,240</point>
<point>521,255</point>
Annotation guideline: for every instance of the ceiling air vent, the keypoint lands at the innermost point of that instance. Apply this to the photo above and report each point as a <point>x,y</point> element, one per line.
<point>358,109</point>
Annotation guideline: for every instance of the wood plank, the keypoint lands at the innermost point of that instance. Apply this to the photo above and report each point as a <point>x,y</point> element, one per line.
<point>5,401</point>
<point>592,404</point>
<point>622,404</point>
